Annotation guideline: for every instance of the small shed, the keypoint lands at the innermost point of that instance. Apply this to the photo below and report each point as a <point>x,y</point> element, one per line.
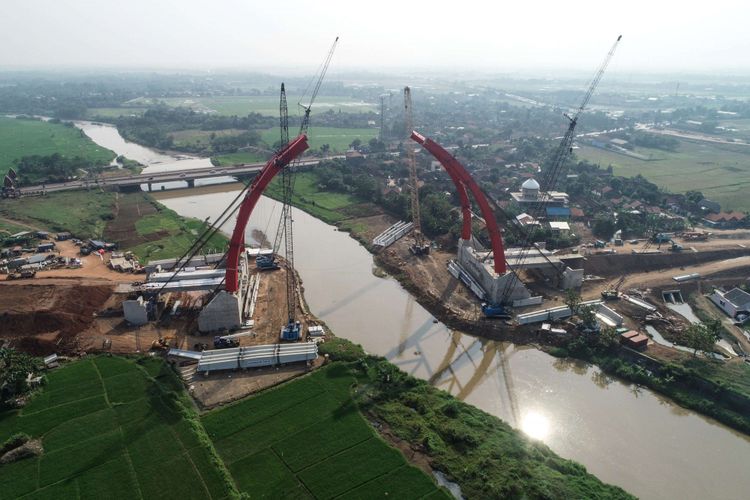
<point>42,235</point>
<point>36,259</point>
<point>45,247</point>
<point>63,236</point>
<point>51,361</point>
<point>634,340</point>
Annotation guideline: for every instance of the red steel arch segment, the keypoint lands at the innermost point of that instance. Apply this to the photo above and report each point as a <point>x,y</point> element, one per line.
<point>273,167</point>
<point>465,205</point>
<point>458,172</point>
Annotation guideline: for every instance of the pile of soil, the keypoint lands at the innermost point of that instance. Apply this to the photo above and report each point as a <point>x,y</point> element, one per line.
<point>41,319</point>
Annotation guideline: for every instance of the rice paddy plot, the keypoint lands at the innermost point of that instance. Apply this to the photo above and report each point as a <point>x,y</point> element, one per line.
<point>720,171</point>
<point>307,439</point>
<point>338,139</point>
<point>130,435</point>
<point>27,137</point>
<point>264,105</point>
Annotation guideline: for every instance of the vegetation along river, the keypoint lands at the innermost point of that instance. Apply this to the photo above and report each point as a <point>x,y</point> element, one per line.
<point>625,435</point>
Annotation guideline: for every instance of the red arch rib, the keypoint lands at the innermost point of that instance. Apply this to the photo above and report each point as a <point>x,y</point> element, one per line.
<point>273,167</point>
<point>458,172</point>
<point>465,205</point>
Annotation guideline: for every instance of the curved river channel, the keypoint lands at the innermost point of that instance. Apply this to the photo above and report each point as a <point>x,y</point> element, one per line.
<point>623,434</point>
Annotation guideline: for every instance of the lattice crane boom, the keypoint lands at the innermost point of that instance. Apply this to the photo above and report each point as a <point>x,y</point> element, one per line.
<point>316,88</point>
<point>557,162</point>
<point>413,180</point>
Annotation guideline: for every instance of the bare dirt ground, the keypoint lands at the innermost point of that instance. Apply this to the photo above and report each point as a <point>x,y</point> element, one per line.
<point>127,211</point>
<point>224,387</point>
<point>47,317</point>
<point>427,279</point>
<point>94,266</point>
<point>370,227</point>
<point>430,274</point>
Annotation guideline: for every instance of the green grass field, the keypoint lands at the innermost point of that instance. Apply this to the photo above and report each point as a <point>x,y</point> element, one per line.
<point>7,228</point>
<point>324,205</point>
<point>113,428</point>
<point>720,172</point>
<point>89,214</point>
<point>242,157</point>
<point>19,138</point>
<point>307,439</point>
<point>181,233</point>
<point>184,138</point>
<point>265,105</point>
<point>337,138</point>
<point>82,213</point>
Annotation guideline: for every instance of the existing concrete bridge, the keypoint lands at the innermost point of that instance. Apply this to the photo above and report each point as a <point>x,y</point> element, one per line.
<point>189,175</point>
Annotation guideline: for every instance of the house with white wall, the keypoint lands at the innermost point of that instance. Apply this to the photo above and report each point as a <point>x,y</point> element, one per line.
<point>733,303</point>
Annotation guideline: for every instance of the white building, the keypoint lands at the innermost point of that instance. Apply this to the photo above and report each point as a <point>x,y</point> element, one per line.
<point>562,228</point>
<point>734,303</point>
<point>530,193</point>
<point>527,220</point>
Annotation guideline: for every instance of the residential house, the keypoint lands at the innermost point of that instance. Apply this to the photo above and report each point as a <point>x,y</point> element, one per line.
<point>725,220</point>
<point>527,220</point>
<point>558,212</point>
<point>577,213</point>
<point>560,227</point>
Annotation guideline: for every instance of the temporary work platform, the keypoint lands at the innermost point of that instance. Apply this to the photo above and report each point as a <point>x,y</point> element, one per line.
<point>257,356</point>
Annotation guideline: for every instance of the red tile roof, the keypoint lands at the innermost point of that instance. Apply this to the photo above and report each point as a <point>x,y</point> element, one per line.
<point>726,216</point>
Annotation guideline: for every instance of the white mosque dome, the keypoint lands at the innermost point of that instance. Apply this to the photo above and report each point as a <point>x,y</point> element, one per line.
<point>530,184</point>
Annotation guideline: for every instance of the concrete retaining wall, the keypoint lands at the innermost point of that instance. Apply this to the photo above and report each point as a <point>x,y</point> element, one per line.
<point>223,312</point>
<point>616,264</point>
<point>493,284</point>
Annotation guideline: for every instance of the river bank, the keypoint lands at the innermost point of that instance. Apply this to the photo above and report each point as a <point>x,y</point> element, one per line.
<point>623,434</point>
<point>673,376</point>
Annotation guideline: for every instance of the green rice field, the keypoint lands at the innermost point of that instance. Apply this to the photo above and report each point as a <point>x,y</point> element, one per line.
<point>265,105</point>
<point>22,137</point>
<point>307,439</point>
<point>337,138</point>
<point>720,172</point>
<point>113,428</point>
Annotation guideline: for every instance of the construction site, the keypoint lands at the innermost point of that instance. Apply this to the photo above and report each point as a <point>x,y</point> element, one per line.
<point>237,321</point>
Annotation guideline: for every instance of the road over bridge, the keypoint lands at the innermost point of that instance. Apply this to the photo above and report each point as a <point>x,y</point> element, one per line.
<point>188,175</point>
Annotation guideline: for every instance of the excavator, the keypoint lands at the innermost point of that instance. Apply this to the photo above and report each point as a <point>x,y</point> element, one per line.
<point>660,238</point>
<point>163,343</point>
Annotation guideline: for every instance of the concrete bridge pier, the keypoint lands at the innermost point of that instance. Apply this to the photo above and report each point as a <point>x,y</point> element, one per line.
<point>150,187</point>
<point>191,183</point>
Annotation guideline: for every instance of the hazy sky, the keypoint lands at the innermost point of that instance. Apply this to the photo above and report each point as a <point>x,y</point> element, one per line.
<point>456,34</point>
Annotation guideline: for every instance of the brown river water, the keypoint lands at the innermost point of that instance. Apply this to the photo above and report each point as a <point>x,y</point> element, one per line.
<point>623,434</point>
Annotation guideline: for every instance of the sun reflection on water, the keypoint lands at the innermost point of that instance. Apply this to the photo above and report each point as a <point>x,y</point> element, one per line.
<point>535,425</point>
